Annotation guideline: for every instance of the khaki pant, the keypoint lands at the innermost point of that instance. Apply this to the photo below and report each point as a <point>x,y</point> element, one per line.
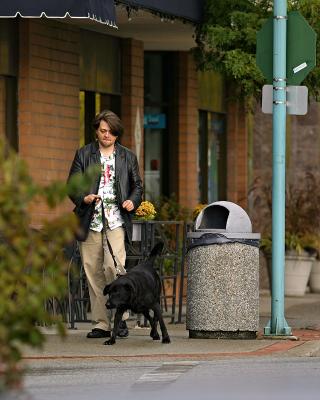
<point>100,270</point>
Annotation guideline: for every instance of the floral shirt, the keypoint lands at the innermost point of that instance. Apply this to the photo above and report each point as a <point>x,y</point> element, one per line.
<point>107,192</point>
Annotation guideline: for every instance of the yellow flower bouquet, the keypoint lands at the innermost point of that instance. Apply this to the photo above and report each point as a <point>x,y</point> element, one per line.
<point>145,211</point>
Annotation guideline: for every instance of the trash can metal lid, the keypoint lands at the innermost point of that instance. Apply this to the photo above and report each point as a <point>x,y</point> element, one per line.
<point>223,216</point>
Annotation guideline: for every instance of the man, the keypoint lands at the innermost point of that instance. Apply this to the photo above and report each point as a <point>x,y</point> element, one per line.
<point>104,213</point>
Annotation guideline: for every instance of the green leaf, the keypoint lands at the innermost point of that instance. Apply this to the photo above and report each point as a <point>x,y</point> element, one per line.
<point>32,265</point>
<point>227,41</point>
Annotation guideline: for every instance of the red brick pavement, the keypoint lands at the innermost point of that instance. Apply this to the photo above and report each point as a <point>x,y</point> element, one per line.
<point>307,334</point>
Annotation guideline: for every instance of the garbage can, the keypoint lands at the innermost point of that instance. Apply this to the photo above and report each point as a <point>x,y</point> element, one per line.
<point>223,274</point>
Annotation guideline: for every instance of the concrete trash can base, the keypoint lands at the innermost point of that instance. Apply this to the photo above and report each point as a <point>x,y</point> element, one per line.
<point>222,335</point>
<point>223,279</point>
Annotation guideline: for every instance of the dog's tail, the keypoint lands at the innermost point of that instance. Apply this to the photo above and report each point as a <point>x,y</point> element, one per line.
<point>156,250</point>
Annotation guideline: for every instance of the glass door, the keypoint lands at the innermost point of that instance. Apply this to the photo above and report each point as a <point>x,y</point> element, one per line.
<point>154,131</point>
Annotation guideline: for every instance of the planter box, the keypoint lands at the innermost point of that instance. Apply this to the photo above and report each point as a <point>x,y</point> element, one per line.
<point>297,273</point>
<point>136,232</point>
<point>315,277</point>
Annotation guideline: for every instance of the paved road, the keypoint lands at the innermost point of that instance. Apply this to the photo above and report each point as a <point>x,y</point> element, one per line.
<point>138,368</point>
<point>222,379</point>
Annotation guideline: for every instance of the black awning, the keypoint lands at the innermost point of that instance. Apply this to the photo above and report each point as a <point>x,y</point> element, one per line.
<point>189,10</point>
<point>102,11</point>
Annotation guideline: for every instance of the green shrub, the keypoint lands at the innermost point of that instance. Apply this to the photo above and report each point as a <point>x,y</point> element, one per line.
<point>226,42</point>
<point>32,263</point>
<point>169,209</point>
<point>302,210</point>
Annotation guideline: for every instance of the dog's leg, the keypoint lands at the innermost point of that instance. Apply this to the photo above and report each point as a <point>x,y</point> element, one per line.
<point>153,323</point>
<point>158,316</point>
<point>115,330</point>
<point>156,320</point>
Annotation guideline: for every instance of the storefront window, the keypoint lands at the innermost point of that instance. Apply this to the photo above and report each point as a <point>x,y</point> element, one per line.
<point>158,124</point>
<point>212,156</point>
<point>8,110</point>
<point>155,128</point>
<point>92,103</point>
<point>8,81</point>
<point>100,79</point>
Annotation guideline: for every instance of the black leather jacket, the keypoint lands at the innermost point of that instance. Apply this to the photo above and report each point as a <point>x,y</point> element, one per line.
<point>128,185</point>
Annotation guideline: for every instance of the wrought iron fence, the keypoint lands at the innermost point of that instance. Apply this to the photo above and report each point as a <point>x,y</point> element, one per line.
<point>170,266</point>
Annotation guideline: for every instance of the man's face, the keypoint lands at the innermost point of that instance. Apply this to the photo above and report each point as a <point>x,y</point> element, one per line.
<point>105,138</point>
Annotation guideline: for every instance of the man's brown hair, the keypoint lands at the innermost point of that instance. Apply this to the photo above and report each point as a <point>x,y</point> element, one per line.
<point>111,119</point>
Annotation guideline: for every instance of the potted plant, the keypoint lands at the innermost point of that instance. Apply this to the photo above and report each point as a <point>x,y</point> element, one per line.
<point>302,213</point>
<point>298,262</point>
<point>314,280</point>
<point>145,212</point>
<point>302,220</point>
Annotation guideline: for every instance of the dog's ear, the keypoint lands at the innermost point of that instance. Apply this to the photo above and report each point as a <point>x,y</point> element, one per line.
<point>106,289</point>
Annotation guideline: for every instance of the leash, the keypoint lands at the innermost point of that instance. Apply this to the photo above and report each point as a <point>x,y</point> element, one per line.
<point>108,243</point>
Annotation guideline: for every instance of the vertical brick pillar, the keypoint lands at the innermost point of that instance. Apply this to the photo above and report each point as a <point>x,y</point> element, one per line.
<point>48,111</point>
<point>237,154</point>
<point>188,138</point>
<point>132,100</point>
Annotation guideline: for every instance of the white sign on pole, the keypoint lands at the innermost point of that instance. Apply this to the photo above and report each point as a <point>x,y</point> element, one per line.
<point>297,99</point>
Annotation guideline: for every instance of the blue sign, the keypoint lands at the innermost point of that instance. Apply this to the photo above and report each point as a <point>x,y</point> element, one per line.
<point>154,121</point>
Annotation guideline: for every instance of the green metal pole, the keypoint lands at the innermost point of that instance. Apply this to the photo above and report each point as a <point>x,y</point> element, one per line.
<point>278,324</point>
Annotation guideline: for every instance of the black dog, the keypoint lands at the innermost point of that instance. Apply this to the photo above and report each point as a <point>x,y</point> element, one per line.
<point>139,291</point>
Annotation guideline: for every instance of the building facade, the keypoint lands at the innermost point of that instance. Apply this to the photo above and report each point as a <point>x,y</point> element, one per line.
<point>55,74</point>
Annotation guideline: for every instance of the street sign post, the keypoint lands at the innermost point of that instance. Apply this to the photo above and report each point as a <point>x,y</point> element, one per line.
<point>300,52</point>
<point>297,100</point>
<point>286,53</point>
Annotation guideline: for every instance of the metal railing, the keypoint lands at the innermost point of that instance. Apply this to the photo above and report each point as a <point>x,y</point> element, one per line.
<point>187,227</point>
<point>170,266</point>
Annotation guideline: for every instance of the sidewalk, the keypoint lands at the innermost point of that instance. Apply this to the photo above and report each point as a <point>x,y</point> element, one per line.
<point>302,315</point>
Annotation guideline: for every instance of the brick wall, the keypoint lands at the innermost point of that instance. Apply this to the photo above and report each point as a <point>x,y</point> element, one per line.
<point>132,100</point>
<point>48,110</point>
<point>302,149</point>
<point>188,192</point>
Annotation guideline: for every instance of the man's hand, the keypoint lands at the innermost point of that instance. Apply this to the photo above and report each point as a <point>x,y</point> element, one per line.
<point>128,205</point>
<point>90,198</point>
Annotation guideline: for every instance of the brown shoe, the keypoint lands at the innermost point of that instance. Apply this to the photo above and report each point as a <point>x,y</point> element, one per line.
<point>97,333</point>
